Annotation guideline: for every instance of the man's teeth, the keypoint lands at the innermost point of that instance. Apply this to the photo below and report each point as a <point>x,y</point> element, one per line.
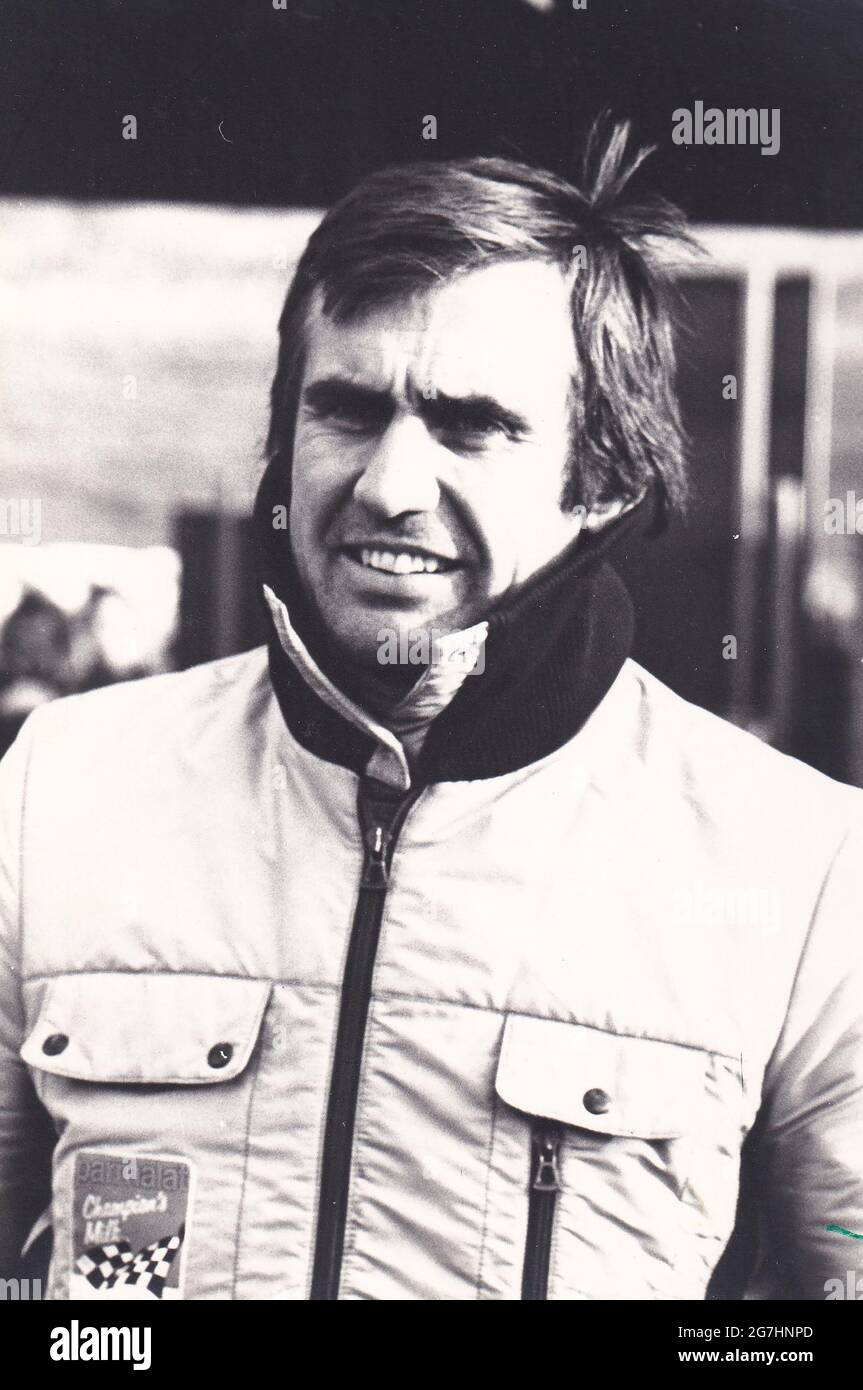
<point>400,562</point>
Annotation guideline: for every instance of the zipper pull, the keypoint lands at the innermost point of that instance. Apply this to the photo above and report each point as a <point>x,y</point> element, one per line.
<point>546,1155</point>
<point>375,873</point>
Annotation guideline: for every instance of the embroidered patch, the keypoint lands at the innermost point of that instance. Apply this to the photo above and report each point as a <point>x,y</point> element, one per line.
<point>130,1226</point>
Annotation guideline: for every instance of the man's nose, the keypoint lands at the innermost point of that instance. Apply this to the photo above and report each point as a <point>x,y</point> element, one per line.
<point>400,476</point>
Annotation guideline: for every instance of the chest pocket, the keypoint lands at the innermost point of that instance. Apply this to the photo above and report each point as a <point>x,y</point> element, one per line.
<point>149,1080</point>
<point>183,1030</point>
<point>629,1158</point>
<point>604,1082</point>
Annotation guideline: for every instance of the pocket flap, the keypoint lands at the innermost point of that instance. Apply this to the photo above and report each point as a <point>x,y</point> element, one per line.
<point>605,1082</point>
<point>147,1029</point>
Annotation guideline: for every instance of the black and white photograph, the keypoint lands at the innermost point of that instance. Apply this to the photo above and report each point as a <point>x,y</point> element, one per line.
<point>431,664</point>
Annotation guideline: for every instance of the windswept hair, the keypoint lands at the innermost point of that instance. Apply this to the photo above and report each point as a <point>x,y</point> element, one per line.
<point>408,228</point>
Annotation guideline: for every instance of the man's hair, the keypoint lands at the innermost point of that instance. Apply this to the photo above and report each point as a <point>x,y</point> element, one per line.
<point>406,229</point>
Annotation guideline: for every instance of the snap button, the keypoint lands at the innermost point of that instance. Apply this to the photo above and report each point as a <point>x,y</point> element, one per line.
<point>58,1042</point>
<point>597,1101</point>
<point>220,1055</point>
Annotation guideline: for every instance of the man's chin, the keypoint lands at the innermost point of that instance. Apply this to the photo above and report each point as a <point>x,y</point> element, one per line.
<point>368,646</point>
<point>373,667</point>
<point>387,638</point>
<point>365,629</point>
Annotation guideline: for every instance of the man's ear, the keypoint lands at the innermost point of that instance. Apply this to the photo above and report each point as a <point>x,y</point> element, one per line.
<point>601,513</point>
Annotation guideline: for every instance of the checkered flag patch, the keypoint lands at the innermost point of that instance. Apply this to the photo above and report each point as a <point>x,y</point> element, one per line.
<point>107,1266</point>
<point>101,1264</point>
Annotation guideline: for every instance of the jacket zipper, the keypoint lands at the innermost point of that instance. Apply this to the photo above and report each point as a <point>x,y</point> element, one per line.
<point>381,817</point>
<point>545,1141</point>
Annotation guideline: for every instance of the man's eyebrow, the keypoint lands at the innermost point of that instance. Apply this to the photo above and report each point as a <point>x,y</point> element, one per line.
<point>329,391</point>
<point>442,410</point>
<point>439,410</point>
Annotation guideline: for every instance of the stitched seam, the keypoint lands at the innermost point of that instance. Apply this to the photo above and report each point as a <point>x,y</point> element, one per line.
<point>554,1244</point>
<point>246,1151</point>
<point>185,974</point>
<point>416,1001</point>
<point>315,1213</point>
<point>346,831</point>
<point>22,817</point>
<point>768,1082</point>
<point>120,1080</point>
<point>486,1197</point>
<point>357,1170</point>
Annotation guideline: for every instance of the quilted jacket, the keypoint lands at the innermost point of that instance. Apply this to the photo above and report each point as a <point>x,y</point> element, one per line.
<point>590,1028</point>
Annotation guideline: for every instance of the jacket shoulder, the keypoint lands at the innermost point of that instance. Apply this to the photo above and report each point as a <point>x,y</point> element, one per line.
<point>142,731</point>
<point>728,774</point>
<point>153,706</point>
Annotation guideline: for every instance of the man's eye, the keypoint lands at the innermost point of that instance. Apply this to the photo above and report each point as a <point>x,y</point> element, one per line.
<point>356,418</point>
<point>476,428</point>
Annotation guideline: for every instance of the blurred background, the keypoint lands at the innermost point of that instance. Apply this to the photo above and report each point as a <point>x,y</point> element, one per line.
<point>141,280</point>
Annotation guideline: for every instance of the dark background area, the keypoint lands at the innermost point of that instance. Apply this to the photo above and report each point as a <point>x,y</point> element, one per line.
<point>312,97</point>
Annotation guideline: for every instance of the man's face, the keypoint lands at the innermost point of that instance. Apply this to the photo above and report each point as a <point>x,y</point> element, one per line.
<point>430,451</point>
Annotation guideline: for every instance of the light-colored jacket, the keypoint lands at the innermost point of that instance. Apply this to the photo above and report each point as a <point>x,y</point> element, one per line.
<point>593,978</point>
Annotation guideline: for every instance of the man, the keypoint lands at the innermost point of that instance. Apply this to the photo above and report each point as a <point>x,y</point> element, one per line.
<point>504,975</point>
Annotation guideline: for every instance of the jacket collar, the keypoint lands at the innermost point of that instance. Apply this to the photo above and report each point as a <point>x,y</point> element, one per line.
<point>551,654</point>
<point>388,761</point>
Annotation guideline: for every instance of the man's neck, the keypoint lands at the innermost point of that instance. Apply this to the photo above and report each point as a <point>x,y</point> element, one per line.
<point>376,688</point>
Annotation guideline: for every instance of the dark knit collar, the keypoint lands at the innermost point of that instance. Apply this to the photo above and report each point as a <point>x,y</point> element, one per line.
<point>552,653</point>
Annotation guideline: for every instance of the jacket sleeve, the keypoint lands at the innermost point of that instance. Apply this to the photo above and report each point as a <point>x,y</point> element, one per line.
<point>25,1148</point>
<point>809,1156</point>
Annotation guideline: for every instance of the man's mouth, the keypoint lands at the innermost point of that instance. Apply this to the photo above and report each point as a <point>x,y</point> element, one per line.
<point>400,560</point>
